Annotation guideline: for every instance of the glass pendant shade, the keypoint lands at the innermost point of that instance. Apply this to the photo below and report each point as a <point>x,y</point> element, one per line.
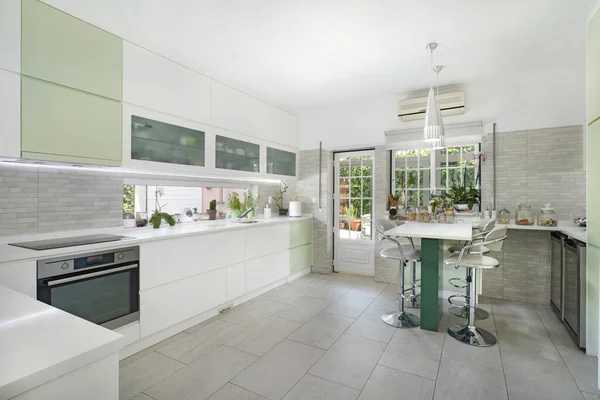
<point>434,127</point>
<point>441,142</point>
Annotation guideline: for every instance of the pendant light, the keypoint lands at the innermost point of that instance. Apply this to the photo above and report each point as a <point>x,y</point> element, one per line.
<point>441,142</point>
<point>434,128</point>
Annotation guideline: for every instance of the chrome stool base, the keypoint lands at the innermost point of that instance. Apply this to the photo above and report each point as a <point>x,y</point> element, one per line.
<point>472,335</point>
<point>401,320</point>
<point>463,312</point>
<point>414,303</point>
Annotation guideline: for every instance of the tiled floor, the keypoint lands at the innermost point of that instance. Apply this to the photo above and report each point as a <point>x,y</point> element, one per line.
<point>321,337</point>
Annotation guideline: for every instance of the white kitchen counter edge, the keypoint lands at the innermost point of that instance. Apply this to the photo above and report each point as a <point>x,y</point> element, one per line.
<point>40,343</point>
<point>566,227</point>
<point>142,235</point>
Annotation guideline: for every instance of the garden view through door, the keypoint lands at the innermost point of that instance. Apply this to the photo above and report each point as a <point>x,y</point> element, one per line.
<point>354,210</point>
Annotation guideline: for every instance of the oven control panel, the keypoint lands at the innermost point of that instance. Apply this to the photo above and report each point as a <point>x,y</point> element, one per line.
<point>74,263</point>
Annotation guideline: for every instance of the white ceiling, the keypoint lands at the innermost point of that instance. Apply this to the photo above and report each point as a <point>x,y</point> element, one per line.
<point>300,53</point>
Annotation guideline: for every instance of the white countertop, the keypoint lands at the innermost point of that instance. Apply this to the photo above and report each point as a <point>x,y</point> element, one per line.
<point>457,231</point>
<point>39,343</point>
<point>567,227</point>
<point>140,235</point>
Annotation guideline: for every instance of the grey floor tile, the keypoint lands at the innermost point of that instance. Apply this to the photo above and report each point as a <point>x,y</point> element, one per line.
<point>386,301</point>
<point>590,396</point>
<point>144,372</point>
<point>458,380</point>
<point>252,313</point>
<point>389,384</point>
<point>201,342</point>
<point>204,376</point>
<point>287,293</point>
<point>322,330</point>
<point>303,309</point>
<point>232,392</point>
<point>368,287</point>
<point>142,396</point>
<point>415,351</point>
<point>556,329</point>
<point>350,361</point>
<point>347,278</point>
<point>330,290</point>
<point>583,368</point>
<point>369,325</point>
<point>274,374</point>
<point>138,355</point>
<point>205,323</point>
<point>528,344</point>
<point>263,336</point>
<point>350,305</point>
<point>312,280</point>
<point>487,324</point>
<point>484,356</point>
<point>311,388</point>
<point>513,310</point>
<point>535,378</point>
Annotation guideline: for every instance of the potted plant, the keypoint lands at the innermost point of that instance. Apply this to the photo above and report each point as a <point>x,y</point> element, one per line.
<point>212,210</point>
<point>234,204</point>
<point>295,208</point>
<point>158,216</point>
<point>355,221</point>
<point>278,199</point>
<point>251,201</point>
<point>461,198</point>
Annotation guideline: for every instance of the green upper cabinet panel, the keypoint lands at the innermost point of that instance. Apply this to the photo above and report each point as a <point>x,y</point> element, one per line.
<point>593,185</point>
<point>300,233</point>
<point>59,48</point>
<point>62,124</point>
<point>593,70</point>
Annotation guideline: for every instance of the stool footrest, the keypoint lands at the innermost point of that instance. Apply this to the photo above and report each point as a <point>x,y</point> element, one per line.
<point>458,283</point>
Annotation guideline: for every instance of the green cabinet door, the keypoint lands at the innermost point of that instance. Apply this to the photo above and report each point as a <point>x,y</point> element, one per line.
<point>62,124</point>
<point>593,296</point>
<point>300,233</point>
<point>593,185</point>
<point>593,69</point>
<point>300,258</point>
<point>57,47</point>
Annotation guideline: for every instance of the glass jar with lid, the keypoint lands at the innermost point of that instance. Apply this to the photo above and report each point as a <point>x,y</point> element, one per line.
<point>504,217</point>
<point>524,215</point>
<point>548,217</point>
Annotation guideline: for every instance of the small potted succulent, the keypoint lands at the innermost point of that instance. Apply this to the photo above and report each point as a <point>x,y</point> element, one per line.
<point>212,210</point>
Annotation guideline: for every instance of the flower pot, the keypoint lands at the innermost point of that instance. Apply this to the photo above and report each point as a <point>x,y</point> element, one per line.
<point>462,207</point>
<point>343,224</point>
<point>283,212</point>
<point>295,209</point>
<point>212,214</point>
<point>355,225</point>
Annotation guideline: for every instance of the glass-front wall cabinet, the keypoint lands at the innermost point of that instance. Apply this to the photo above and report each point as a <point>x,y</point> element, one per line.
<point>237,155</point>
<point>161,142</point>
<point>280,162</point>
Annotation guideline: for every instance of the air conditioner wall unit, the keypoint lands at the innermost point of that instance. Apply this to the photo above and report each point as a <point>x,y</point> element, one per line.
<point>414,109</point>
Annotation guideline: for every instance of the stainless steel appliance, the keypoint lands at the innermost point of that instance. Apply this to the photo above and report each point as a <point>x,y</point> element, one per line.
<point>556,273</point>
<point>69,241</point>
<point>101,287</point>
<point>575,277</point>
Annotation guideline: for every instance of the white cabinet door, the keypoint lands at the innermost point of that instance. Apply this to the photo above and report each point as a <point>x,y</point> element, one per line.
<point>262,271</point>
<point>10,114</point>
<point>10,35</point>
<point>265,240</point>
<point>20,276</point>
<point>236,280</point>
<point>236,252</point>
<point>167,305</point>
<point>168,260</point>
<point>155,82</point>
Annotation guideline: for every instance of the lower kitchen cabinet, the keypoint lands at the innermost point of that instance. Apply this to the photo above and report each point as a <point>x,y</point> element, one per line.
<point>265,240</point>
<point>300,258</point>
<point>593,186</point>
<point>300,233</point>
<point>170,304</point>
<point>593,299</point>
<point>265,270</point>
<point>236,280</point>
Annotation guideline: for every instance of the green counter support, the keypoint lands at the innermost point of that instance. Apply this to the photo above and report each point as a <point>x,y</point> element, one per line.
<point>431,270</point>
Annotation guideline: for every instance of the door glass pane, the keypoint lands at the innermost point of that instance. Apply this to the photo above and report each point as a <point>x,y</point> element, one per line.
<point>344,209</point>
<point>367,166</point>
<point>344,170</point>
<point>366,209</point>
<point>344,188</point>
<point>237,155</point>
<point>366,187</point>
<point>161,142</point>
<point>412,179</point>
<point>280,162</point>
<point>344,229</point>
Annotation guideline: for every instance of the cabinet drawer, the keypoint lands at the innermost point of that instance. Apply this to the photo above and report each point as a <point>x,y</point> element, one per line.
<point>57,47</point>
<point>62,124</point>
<point>300,233</point>
<point>593,186</point>
<point>267,240</point>
<point>300,258</point>
<point>264,270</point>
<point>236,281</point>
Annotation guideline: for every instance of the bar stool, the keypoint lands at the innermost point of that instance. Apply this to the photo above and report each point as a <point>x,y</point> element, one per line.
<point>471,334</point>
<point>404,254</point>
<point>462,310</point>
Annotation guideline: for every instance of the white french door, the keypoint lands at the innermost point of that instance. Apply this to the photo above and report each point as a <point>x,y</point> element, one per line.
<point>354,187</point>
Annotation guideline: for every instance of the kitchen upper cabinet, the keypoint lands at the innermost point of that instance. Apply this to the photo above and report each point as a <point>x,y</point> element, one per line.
<point>157,83</point>
<point>281,162</point>
<point>239,112</point>
<point>10,35</point>
<point>10,114</point>
<point>236,155</point>
<point>59,48</point>
<point>593,69</point>
<point>593,186</point>
<point>62,124</point>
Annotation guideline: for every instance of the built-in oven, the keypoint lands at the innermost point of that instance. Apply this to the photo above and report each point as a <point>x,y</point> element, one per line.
<point>101,287</point>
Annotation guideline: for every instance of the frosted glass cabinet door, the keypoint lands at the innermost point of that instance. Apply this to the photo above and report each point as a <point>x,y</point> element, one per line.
<point>161,142</point>
<point>237,155</point>
<point>280,162</point>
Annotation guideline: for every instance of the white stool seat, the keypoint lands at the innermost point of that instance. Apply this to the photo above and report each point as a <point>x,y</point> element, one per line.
<point>457,247</point>
<point>474,261</point>
<point>409,253</point>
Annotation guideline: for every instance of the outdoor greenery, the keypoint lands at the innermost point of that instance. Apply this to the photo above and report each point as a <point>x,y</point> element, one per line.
<point>128,198</point>
<point>234,203</point>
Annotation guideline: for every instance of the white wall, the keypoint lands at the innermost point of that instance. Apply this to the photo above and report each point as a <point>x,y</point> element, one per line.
<point>176,198</point>
<point>541,100</point>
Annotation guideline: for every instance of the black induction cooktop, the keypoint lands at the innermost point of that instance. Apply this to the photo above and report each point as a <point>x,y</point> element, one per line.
<point>70,241</point>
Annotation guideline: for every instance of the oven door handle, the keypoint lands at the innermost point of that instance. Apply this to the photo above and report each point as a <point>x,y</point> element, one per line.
<point>91,275</point>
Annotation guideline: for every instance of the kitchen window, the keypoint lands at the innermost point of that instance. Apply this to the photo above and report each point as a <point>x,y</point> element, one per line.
<point>418,172</point>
